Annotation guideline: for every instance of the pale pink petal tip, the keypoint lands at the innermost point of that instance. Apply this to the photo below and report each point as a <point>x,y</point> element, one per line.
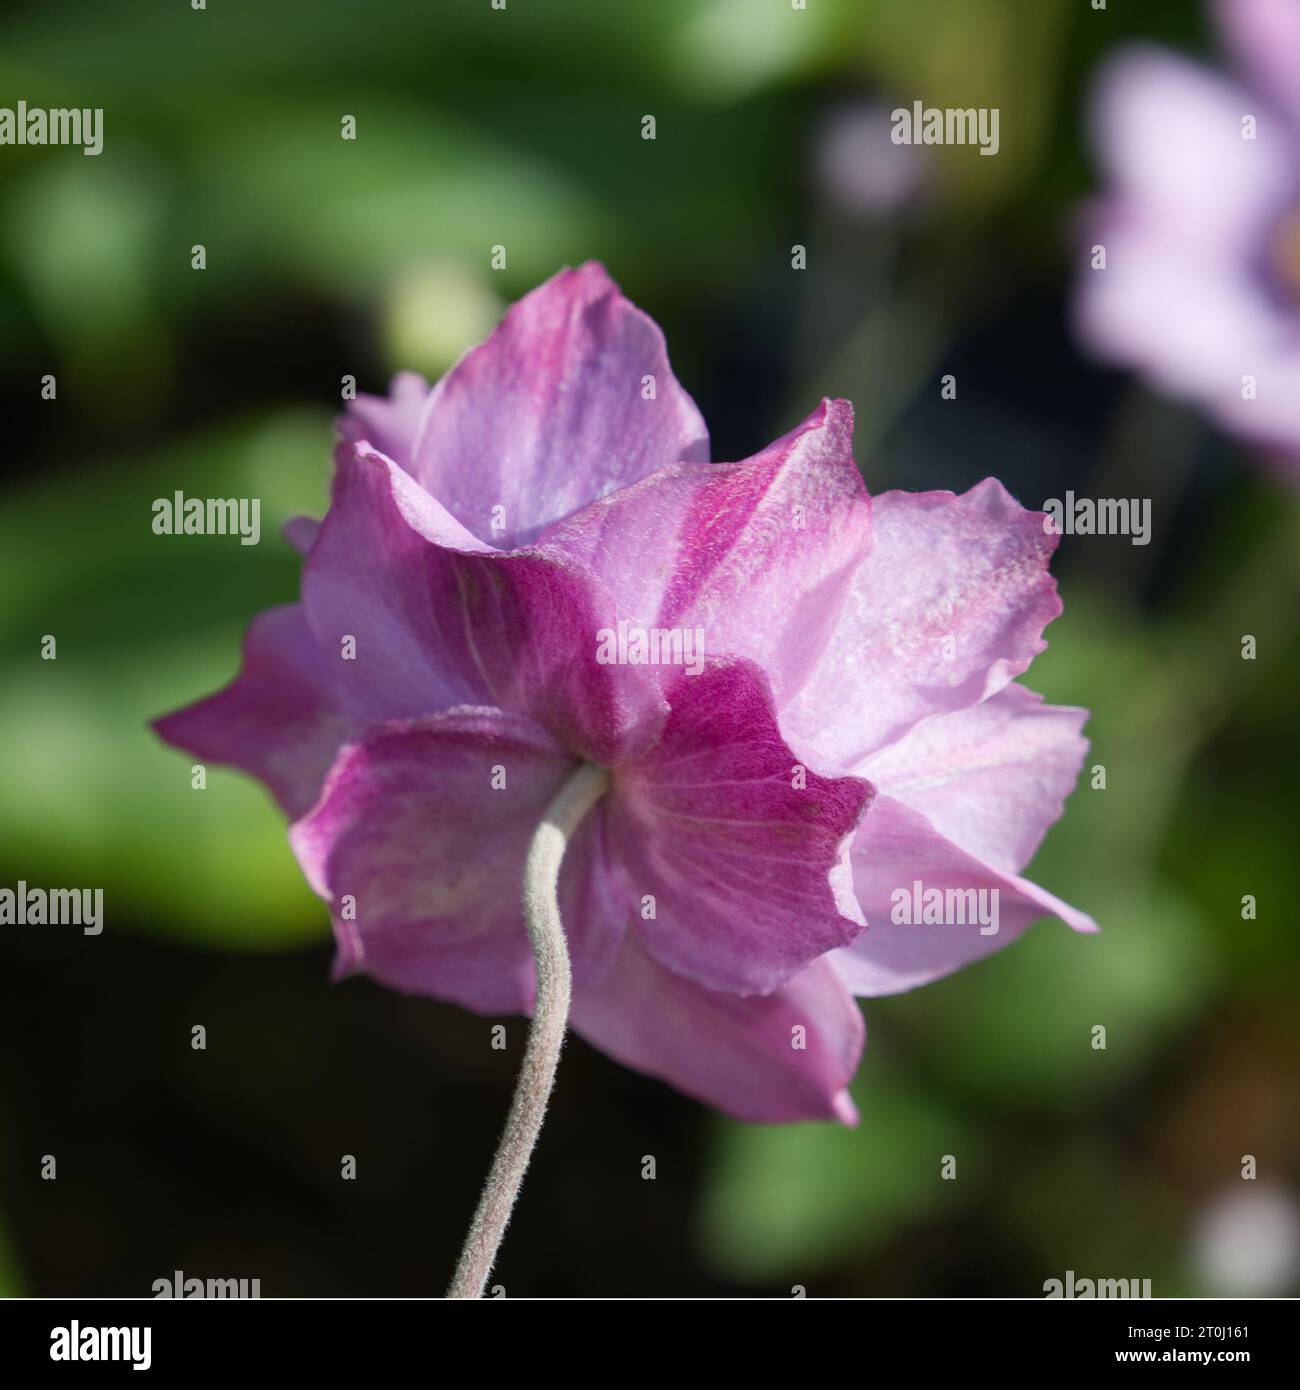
<point>301,532</point>
<point>845,1111</point>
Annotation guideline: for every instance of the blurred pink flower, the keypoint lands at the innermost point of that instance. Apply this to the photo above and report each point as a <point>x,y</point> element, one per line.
<point>861,169</point>
<point>1200,224</point>
<point>853,728</point>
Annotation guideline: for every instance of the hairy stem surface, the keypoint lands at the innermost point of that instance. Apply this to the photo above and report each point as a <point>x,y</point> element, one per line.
<point>550,1019</point>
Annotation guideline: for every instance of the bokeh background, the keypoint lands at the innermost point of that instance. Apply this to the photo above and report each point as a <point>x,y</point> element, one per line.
<point>325,258</point>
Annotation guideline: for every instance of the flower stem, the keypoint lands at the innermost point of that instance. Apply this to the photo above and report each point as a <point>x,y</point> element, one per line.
<point>550,1018</point>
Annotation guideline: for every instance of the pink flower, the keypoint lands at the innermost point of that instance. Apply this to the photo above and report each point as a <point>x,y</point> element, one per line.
<point>1201,226</point>
<point>850,725</point>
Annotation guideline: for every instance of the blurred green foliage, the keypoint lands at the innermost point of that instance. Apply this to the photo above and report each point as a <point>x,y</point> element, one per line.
<point>143,624</point>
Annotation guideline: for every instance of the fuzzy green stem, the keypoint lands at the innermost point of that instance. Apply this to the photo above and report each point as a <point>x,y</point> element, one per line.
<point>546,1037</point>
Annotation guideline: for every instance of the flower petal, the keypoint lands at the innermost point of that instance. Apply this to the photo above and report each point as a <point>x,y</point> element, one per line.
<point>416,826</point>
<point>440,620</point>
<point>1195,327</point>
<point>1169,134</point>
<point>742,851</point>
<point>1265,37</point>
<point>552,411</point>
<point>1193,324</point>
<point>990,778</point>
<point>947,608</point>
<point>1195,228</point>
<point>280,719</point>
<point>746,1056</point>
<point>756,556</point>
<point>389,423</point>
<point>896,848</point>
<point>301,533</point>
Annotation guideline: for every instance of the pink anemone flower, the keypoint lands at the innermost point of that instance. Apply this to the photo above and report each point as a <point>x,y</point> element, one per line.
<point>802,703</point>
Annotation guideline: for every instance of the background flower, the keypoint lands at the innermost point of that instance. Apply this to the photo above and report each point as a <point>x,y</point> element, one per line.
<point>1200,225</point>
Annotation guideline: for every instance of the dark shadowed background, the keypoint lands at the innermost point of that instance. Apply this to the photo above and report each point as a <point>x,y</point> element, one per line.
<point>325,257</point>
